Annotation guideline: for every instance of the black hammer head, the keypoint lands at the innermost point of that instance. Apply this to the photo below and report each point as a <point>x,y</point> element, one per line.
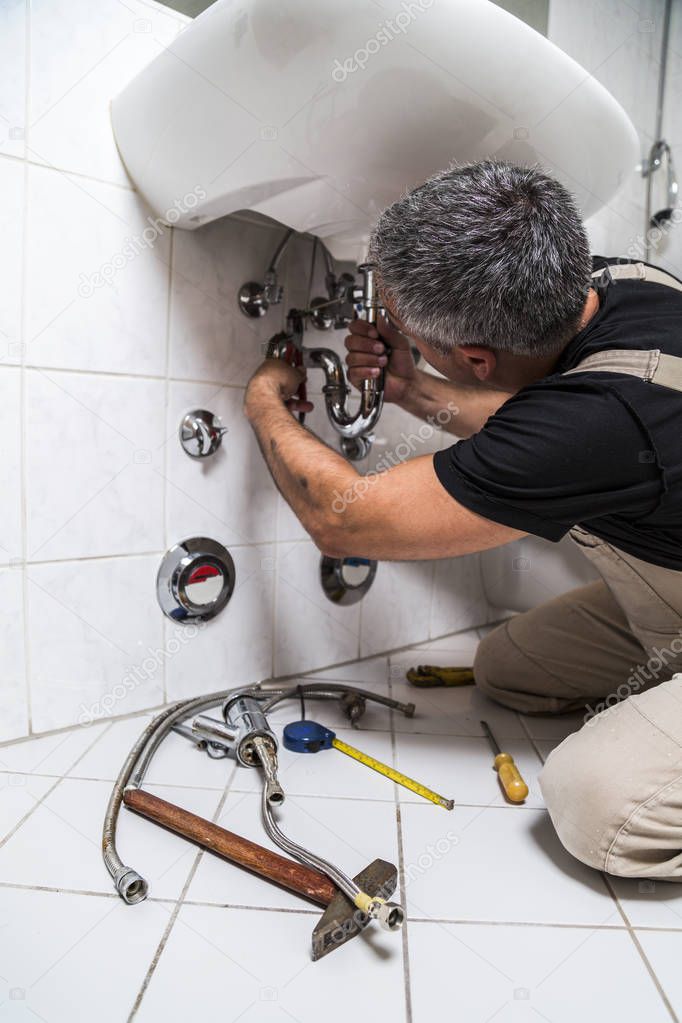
<point>341,920</point>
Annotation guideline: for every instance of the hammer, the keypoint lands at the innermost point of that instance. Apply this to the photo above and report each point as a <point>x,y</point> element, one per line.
<point>340,922</point>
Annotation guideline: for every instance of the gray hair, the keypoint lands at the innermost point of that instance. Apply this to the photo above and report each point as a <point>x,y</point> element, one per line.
<point>487,254</point>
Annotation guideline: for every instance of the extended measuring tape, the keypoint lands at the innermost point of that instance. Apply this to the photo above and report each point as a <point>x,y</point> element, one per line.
<point>311,737</point>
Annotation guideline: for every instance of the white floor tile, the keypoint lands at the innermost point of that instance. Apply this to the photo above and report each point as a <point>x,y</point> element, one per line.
<point>461,768</point>
<point>518,974</point>
<point>11,250</point>
<point>177,762</point>
<point>650,903</point>
<point>496,864</point>
<point>19,794</point>
<point>663,950</point>
<point>458,644</point>
<point>261,962</point>
<point>372,671</point>
<point>452,711</point>
<point>49,754</point>
<point>329,772</point>
<point>59,845</point>
<point>349,833</point>
<point>332,714</point>
<point>74,957</point>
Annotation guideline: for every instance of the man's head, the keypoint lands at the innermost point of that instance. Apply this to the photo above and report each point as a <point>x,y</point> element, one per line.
<point>488,255</point>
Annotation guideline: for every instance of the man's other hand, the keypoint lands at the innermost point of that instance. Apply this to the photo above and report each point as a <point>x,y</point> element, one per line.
<point>276,377</point>
<point>367,356</point>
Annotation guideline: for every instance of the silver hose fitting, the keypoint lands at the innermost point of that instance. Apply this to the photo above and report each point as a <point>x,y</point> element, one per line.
<point>388,915</point>
<point>274,793</point>
<point>131,886</point>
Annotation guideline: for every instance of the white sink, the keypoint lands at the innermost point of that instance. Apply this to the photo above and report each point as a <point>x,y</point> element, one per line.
<point>318,114</point>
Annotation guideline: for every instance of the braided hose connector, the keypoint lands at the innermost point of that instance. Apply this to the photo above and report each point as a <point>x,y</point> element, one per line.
<point>389,915</point>
<point>131,886</point>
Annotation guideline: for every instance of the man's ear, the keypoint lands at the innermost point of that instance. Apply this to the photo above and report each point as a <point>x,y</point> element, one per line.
<point>481,361</point>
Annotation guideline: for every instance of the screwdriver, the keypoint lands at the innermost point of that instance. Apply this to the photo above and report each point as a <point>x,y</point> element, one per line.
<point>515,788</point>
<point>311,737</point>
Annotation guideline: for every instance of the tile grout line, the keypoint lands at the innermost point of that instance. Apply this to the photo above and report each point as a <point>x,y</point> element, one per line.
<point>23,407</point>
<point>642,954</point>
<point>438,921</point>
<point>39,802</point>
<point>401,865</point>
<point>166,425</point>
<point>177,907</point>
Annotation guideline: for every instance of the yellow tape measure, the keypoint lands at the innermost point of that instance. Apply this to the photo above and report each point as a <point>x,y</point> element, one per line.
<point>389,772</point>
<point>311,737</point>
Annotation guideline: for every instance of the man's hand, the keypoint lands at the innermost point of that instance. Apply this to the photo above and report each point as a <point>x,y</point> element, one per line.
<point>275,377</point>
<point>367,356</point>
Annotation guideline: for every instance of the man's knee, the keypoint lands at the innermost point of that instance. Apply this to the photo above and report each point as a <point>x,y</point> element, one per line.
<point>612,809</point>
<point>578,802</point>
<point>507,675</point>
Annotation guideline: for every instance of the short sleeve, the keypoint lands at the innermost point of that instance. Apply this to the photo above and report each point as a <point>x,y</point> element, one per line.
<point>559,452</point>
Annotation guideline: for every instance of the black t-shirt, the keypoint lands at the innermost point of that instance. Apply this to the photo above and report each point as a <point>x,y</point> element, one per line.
<point>599,450</point>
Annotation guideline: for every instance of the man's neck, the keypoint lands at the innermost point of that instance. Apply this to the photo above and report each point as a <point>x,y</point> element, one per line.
<point>517,371</point>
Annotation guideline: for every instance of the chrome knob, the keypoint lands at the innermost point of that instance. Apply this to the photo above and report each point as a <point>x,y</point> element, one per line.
<point>201,433</point>
<point>196,579</point>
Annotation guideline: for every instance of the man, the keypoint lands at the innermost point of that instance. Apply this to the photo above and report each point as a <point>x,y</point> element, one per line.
<point>568,381</point>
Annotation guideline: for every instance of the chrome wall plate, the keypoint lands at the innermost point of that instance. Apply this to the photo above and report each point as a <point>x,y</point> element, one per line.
<point>346,580</point>
<point>201,433</point>
<point>196,579</point>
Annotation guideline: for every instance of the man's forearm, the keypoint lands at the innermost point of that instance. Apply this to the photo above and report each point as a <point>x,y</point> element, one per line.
<point>308,474</point>
<point>458,410</point>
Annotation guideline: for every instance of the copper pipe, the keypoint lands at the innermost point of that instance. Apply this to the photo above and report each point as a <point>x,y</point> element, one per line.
<point>288,873</point>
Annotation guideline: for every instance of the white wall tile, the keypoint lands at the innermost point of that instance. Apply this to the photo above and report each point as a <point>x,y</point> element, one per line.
<point>93,465</point>
<point>395,610</point>
<point>77,230</point>
<point>10,464</point>
<point>11,256</point>
<point>311,630</point>
<point>236,646</point>
<point>210,338</point>
<point>96,634</point>
<point>230,495</point>
<point>13,72</point>
<point>107,44</point>
<point>13,699</point>
<point>458,600</point>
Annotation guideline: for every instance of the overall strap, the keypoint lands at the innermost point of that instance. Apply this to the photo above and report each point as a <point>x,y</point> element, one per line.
<point>653,366</point>
<point>637,272</point>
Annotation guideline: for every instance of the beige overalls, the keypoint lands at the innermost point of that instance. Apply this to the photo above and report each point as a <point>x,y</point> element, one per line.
<point>611,648</point>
